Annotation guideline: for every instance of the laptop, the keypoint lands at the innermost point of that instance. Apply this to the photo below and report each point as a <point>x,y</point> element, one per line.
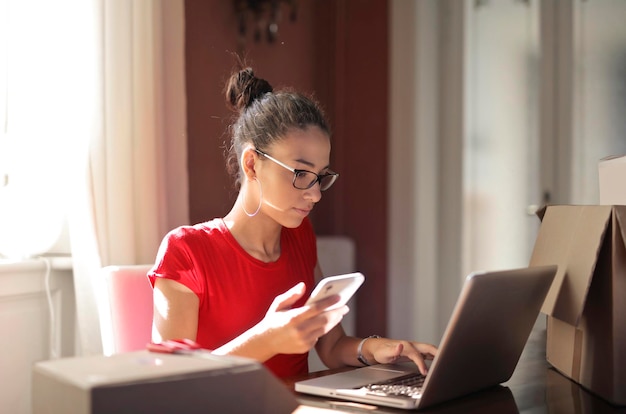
<point>480,348</point>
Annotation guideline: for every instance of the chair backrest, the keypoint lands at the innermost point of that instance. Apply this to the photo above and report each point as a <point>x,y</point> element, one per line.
<point>125,308</point>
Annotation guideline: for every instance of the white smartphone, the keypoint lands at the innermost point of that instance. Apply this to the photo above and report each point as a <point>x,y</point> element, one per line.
<point>343,285</point>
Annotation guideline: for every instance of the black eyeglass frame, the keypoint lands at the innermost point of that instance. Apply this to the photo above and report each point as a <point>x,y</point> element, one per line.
<point>296,171</point>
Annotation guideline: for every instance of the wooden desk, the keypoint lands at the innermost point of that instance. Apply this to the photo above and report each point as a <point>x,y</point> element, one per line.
<point>535,387</point>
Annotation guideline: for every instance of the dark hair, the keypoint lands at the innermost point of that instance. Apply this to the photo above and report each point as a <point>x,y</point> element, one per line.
<point>265,116</point>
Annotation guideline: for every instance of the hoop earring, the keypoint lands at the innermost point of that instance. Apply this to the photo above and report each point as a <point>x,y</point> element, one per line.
<point>243,204</point>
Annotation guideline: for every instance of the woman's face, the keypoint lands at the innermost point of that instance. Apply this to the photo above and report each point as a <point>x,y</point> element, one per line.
<point>307,149</point>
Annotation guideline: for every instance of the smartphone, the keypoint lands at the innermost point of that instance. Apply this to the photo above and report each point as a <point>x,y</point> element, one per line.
<point>343,285</point>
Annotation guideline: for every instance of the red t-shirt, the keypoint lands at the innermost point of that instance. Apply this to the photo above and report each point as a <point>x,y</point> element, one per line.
<point>235,289</point>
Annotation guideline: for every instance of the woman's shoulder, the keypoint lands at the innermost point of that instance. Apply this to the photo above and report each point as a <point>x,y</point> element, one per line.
<point>207,228</point>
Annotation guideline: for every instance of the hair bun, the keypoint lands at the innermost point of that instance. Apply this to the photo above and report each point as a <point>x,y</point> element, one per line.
<point>243,88</point>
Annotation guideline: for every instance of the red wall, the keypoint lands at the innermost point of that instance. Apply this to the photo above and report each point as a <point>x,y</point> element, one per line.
<point>336,50</point>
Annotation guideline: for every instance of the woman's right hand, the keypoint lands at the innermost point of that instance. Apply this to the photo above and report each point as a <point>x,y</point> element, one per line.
<point>296,330</point>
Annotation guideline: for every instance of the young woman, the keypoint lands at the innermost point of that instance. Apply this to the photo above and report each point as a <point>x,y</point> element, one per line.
<point>237,284</point>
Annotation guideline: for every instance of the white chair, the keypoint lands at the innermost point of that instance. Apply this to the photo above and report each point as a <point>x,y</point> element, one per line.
<point>125,308</point>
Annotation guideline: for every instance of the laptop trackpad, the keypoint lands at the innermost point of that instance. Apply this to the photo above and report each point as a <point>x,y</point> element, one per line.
<point>363,376</point>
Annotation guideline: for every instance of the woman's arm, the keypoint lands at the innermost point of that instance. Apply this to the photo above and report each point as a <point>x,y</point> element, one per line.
<point>175,311</point>
<point>336,349</point>
<point>283,330</point>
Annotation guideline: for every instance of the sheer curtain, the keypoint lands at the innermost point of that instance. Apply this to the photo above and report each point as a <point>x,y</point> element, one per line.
<point>46,89</point>
<point>131,186</point>
<point>92,132</point>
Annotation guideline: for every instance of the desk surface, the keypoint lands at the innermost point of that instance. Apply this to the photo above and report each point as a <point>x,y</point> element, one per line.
<point>535,387</point>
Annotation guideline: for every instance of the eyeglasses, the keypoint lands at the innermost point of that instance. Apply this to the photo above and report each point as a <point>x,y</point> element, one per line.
<point>303,179</point>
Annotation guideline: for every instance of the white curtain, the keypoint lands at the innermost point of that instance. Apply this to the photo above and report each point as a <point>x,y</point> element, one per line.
<point>132,186</point>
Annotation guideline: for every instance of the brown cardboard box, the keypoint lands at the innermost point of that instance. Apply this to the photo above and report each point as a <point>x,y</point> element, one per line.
<point>612,177</point>
<point>586,305</point>
<point>145,382</point>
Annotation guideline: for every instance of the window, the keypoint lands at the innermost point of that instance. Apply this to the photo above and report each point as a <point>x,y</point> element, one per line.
<point>46,109</point>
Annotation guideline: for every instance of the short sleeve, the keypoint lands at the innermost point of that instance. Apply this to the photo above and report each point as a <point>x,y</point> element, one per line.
<point>174,261</point>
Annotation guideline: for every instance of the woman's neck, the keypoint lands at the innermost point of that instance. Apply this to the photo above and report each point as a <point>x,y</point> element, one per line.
<point>259,236</point>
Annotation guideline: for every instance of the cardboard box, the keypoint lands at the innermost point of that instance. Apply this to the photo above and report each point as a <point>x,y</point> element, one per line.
<point>586,305</point>
<point>144,382</point>
<point>612,177</point>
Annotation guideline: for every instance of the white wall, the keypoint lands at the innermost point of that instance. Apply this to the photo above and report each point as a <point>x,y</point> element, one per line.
<point>550,94</point>
<point>426,121</point>
<point>413,162</point>
<point>30,331</point>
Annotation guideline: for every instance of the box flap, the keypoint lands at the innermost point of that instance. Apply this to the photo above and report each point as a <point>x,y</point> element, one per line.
<point>620,215</point>
<point>613,157</point>
<point>611,172</point>
<point>541,212</point>
<point>571,237</point>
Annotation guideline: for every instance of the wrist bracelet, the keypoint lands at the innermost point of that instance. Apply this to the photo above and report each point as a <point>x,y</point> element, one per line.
<point>360,356</point>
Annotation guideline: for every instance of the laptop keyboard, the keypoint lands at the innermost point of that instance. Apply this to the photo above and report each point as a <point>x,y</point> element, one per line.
<point>409,386</point>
